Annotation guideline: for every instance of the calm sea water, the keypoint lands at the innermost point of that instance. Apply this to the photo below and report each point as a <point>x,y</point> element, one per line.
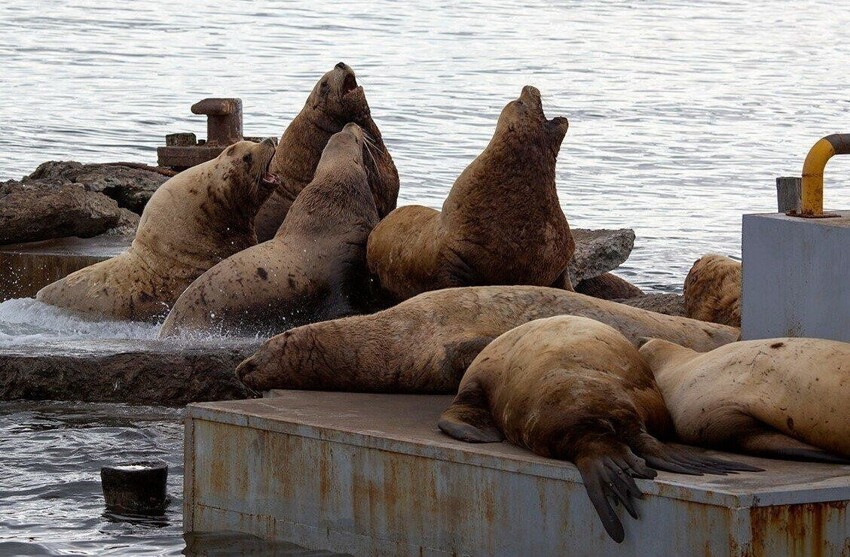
<point>681,113</point>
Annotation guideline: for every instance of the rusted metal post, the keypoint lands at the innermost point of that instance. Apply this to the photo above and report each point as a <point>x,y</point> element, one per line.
<point>224,120</point>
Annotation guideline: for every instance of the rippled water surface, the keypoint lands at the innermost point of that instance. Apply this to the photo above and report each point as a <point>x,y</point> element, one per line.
<point>681,113</point>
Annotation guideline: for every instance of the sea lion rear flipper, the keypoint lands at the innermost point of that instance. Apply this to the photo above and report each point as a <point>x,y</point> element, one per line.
<point>612,475</point>
<point>469,419</point>
<point>774,444</point>
<point>685,460</point>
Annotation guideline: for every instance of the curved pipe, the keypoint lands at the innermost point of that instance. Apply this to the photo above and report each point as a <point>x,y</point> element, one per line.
<point>812,186</point>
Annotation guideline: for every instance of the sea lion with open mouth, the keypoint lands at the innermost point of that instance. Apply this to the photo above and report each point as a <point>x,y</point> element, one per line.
<point>336,100</point>
<point>500,224</point>
<point>194,220</point>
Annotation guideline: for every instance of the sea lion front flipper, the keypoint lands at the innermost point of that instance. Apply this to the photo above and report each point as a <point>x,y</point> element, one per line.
<point>468,418</point>
<point>770,443</point>
<point>685,460</point>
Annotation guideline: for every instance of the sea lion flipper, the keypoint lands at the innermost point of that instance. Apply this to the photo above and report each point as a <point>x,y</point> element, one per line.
<point>603,478</point>
<point>685,460</point>
<point>774,444</point>
<point>468,418</point>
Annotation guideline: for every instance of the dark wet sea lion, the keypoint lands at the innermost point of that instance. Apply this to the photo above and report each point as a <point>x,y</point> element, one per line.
<point>780,398</point>
<point>313,269</point>
<point>335,100</point>
<point>608,286</point>
<point>425,344</point>
<point>575,389</point>
<point>194,220</point>
<point>713,290</point>
<point>500,224</point>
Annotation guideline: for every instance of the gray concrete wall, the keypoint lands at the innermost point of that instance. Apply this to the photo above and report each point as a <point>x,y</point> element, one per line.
<point>796,277</point>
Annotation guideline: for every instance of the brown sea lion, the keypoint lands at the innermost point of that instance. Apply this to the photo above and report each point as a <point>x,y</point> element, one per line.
<point>500,224</point>
<point>313,269</point>
<point>335,100</point>
<point>608,286</point>
<point>425,344</point>
<point>713,290</point>
<point>574,389</point>
<point>193,221</point>
<point>781,398</point>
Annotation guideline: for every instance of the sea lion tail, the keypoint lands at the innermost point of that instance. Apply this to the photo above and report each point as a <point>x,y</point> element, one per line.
<point>685,460</point>
<point>468,418</point>
<point>610,473</point>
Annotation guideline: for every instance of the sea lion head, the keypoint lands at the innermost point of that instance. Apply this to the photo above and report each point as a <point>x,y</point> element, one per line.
<point>337,99</point>
<point>522,122</point>
<point>246,168</point>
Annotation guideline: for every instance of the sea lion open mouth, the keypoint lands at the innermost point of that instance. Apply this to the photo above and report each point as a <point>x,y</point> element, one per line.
<point>349,84</point>
<point>268,178</point>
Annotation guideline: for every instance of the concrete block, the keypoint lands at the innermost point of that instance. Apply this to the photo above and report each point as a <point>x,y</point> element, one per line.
<point>370,474</point>
<point>795,277</point>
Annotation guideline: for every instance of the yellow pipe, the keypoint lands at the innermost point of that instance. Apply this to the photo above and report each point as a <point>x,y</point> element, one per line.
<point>812,186</point>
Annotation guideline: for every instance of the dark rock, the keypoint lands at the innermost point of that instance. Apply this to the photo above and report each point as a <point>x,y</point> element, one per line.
<point>129,184</point>
<point>608,287</point>
<point>668,304</point>
<point>37,211</point>
<point>135,371</point>
<point>126,225</point>
<point>599,251</point>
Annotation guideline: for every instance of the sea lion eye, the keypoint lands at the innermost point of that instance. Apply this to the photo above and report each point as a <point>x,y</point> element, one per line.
<point>324,87</point>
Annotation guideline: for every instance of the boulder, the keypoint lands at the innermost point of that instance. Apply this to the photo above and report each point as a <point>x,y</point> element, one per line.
<point>599,251</point>
<point>129,184</point>
<point>38,211</point>
<point>126,225</point>
<point>668,304</point>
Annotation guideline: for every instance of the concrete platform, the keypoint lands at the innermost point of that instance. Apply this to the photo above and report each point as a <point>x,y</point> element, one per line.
<point>371,475</point>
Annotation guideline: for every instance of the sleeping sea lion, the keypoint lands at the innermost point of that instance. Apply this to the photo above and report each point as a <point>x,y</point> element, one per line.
<point>313,269</point>
<point>335,100</point>
<point>500,224</point>
<point>781,398</point>
<point>425,344</point>
<point>193,221</point>
<point>575,389</point>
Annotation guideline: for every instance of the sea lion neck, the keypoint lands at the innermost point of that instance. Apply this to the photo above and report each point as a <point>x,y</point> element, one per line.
<point>663,358</point>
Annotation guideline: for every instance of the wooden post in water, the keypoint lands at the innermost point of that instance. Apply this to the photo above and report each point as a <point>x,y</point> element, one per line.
<point>789,194</point>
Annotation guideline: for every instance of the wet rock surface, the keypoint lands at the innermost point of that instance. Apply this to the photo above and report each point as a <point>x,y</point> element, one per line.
<point>599,251</point>
<point>36,211</point>
<point>131,185</point>
<point>134,371</point>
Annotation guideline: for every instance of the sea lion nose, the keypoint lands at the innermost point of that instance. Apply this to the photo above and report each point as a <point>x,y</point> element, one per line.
<point>342,66</point>
<point>272,141</point>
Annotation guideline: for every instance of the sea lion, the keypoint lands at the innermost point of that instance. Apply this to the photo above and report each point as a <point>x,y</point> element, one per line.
<point>313,269</point>
<point>608,286</point>
<point>425,344</point>
<point>500,224</point>
<point>713,290</point>
<point>193,221</point>
<point>780,398</point>
<point>335,100</point>
<point>575,389</point>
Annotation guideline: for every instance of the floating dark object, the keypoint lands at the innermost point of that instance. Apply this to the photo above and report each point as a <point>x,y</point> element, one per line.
<point>137,488</point>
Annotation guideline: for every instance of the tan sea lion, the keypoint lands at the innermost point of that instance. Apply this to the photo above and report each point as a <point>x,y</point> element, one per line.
<point>313,269</point>
<point>193,221</point>
<point>500,224</point>
<point>335,100</point>
<point>425,344</point>
<point>575,389</point>
<point>713,290</point>
<point>781,398</point>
